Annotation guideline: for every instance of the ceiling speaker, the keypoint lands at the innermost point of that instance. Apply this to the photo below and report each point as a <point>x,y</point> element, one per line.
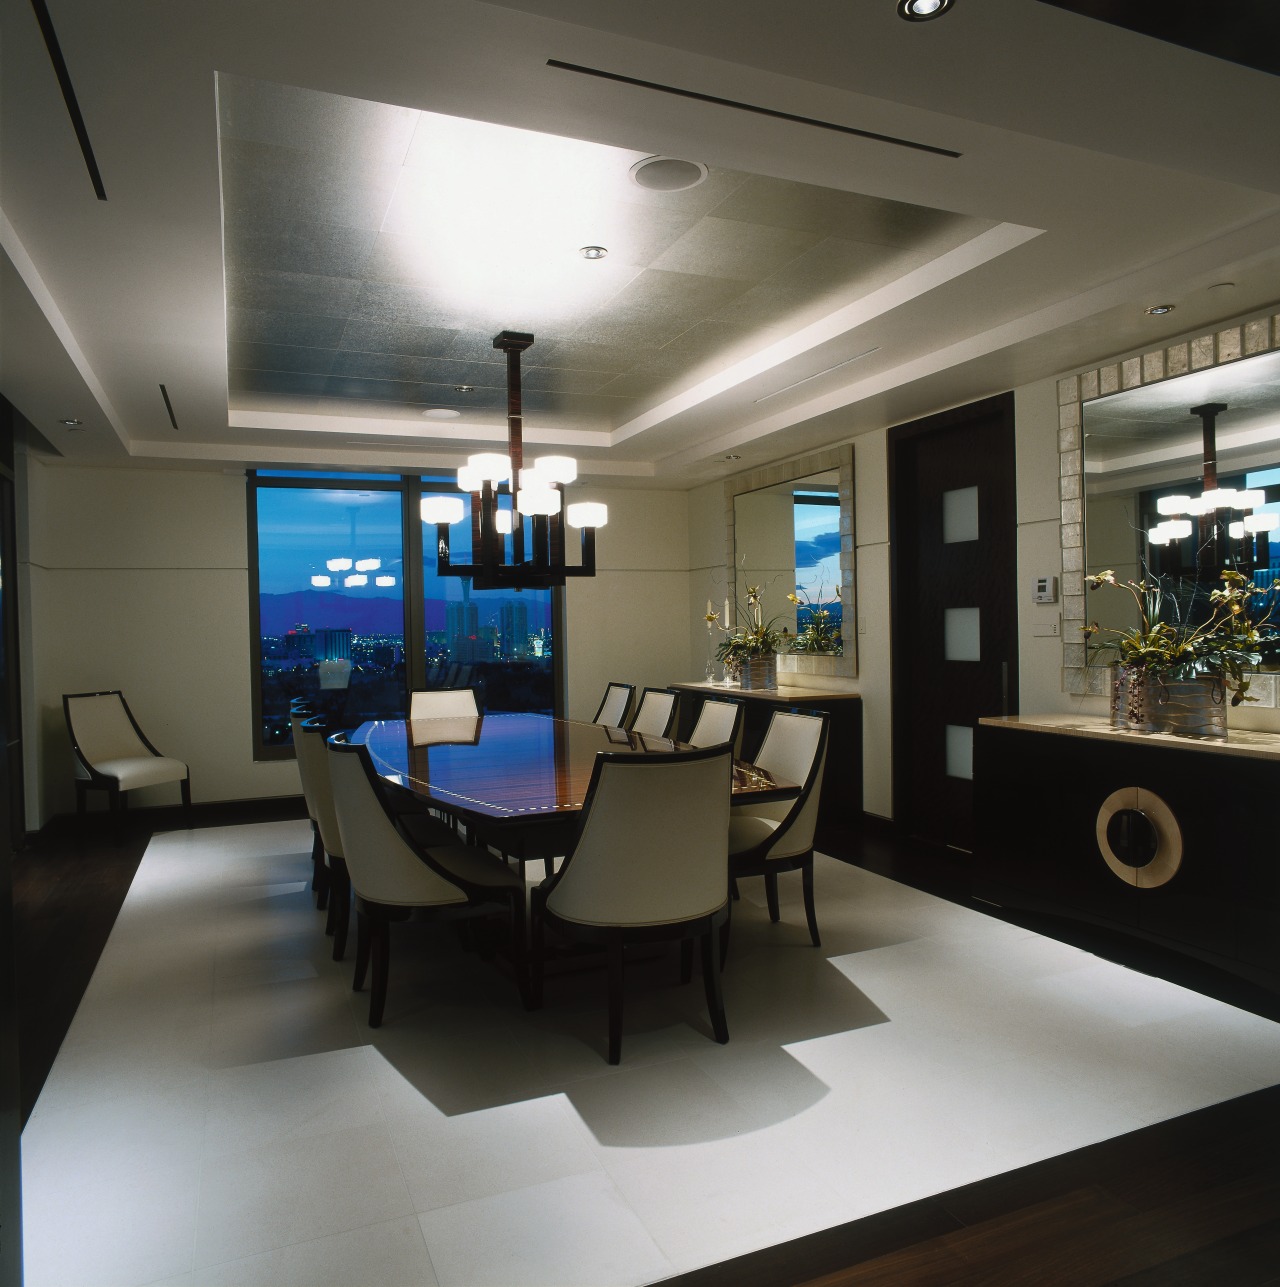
<point>667,173</point>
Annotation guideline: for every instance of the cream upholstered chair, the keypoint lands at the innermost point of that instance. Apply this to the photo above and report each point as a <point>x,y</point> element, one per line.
<point>656,712</point>
<point>299,712</point>
<point>718,722</point>
<point>393,876</point>
<point>313,764</point>
<point>765,839</point>
<point>614,705</point>
<point>650,863</point>
<point>441,703</point>
<point>112,752</point>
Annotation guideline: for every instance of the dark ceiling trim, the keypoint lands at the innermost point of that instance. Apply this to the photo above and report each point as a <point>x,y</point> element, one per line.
<point>168,406</point>
<point>751,107</point>
<point>1246,32</point>
<point>68,95</point>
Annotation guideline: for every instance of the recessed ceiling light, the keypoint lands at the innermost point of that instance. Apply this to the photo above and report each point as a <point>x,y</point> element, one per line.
<point>71,424</point>
<point>593,252</point>
<point>1159,310</point>
<point>732,457</point>
<point>464,388</point>
<point>441,413</point>
<point>667,173</point>
<point>922,10</point>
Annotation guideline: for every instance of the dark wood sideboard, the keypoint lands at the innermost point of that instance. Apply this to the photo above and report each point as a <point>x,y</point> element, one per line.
<point>841,802</point>
<point>1198,872</point>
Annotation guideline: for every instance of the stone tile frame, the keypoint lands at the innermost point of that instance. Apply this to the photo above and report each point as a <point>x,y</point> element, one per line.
<point>1240,339</point>
<point>819,462</point>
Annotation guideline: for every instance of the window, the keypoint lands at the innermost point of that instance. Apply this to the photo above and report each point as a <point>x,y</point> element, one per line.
<point>350,614</point>
<point>819,615</point>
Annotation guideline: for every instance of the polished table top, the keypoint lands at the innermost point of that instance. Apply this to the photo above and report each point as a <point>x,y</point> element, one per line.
<point>518,767</point>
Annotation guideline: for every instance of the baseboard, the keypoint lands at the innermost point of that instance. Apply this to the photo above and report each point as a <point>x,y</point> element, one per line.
<point>209,813</point>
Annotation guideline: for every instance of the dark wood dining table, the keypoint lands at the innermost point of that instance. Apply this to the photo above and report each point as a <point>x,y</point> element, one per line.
<point>519,770</point>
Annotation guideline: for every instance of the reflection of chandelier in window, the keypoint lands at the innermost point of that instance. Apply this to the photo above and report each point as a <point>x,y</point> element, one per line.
<point>1214,544</point>
<point>357,578</point>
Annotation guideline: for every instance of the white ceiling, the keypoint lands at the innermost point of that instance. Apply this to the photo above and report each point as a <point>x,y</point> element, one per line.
<point>1100,171</point>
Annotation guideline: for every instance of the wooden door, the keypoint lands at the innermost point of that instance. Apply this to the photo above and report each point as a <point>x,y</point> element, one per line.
<point>953,532</point>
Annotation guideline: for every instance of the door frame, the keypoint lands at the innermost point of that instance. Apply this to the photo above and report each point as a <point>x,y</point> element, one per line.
<point>1001,407</point>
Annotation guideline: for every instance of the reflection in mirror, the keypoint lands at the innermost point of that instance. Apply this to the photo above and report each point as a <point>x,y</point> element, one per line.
<point>1152,452</point>
<point>787,539</point>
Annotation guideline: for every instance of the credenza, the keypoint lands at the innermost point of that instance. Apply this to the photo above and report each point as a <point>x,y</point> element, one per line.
<point>841,800</point>
<point>1165,838</point>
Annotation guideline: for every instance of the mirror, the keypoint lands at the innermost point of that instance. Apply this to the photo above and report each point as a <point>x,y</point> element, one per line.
<point>790,530</point>
<point>1145,443</point>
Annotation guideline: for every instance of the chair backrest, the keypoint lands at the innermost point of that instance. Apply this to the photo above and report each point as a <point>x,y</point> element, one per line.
<point>653,847</point>
<point>384,867</point>
<point>313,764</point>
<point>613,709</point>
<point>718,722</point>
<point>102,727</point>
<point>656,712</point>
<point>440,703</point>
<point>795,749</point>
<point>299,713</point>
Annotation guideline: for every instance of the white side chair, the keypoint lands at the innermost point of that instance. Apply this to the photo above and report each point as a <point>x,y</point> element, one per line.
<point>393,877</point>
<point>614,706</point>
<point>656,713</point>
<point>112,752</point>
<point>299,712</point>
<point>765,839</point>
<point>718,722</point>
<point>314,766</point>
<point>650,863</point>
<point>442,703</point>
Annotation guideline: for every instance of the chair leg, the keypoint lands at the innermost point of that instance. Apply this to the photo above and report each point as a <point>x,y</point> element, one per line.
<point>362,950</point>
<point>520,949</point>
<point>380,951</point>
<point>771,894</point>
<point>724,934</point>
<point>733,887</point>
<point>186,798</point>
<point>537,955</point>
<point>341,894</point>
<point>81,793</point>
<point>686,960</point>
<point>331,920</point>
<point>711,981</point>
<point>806,876</point>
<point>615,1002</point>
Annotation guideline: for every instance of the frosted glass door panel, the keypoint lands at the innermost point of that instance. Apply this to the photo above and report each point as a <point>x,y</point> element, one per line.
<point>961,634</point>
<point>959,751</point>
<point>960,515</point>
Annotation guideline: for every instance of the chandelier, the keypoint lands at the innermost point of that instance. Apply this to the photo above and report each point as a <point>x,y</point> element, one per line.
<point>1214,544</point>
<point>536,492</point>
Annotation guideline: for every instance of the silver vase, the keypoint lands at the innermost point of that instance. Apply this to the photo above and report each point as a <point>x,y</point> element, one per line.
<point>760,672</point>
<point>1195,707</point>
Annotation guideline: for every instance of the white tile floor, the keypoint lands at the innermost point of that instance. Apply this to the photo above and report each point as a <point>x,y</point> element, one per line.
<point>221,1114</point>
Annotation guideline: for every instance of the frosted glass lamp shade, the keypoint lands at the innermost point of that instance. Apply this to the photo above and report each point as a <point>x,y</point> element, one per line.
<point>1173,505</point>
<point>442,509</point>
<point>321,581</point>
<point>1235,530</point>
<point>503,521</point>
<point>1219,498</point>
<point>384,581</point>
<point>1250,499</point>
<point>587,514</point>
<point>1158,535</point>
<point>468,479</point>
<point>368,565</point>
<point>1178,528</point>
<point>557,469</point>
<point>339,565</point>
<point>538,500</point>
<point>490,467</point>
<point>1262,522</point>
<point>356,578</point>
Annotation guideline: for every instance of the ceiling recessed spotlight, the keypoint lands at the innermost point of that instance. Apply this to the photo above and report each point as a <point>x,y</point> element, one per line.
<point>441,413</point>
<point>731,456</point>
<point>667,173</point>
<point>922,10</point>
<point>71,424</point>
<point>464,388</point>
<point>593,252</point>
<point>1159,310</point>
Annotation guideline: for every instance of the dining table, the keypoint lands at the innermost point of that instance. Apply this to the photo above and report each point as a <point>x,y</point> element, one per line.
<point>520,770</point>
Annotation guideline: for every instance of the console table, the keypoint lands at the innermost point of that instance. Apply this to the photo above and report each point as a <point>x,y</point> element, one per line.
<point>1166,838</point>
<point>840,804</point>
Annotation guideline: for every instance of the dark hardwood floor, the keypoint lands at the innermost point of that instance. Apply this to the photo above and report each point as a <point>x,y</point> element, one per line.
<point>1191,1202</point>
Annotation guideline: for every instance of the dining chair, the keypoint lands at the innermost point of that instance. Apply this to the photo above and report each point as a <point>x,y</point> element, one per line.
<point>299,712</point>
<point>718,722</point>
<point>113,754</point>
<point>614,705</point>
<point>649,864</point>
<point>395,876</point>
<point>314,765</point>
<point>766,839</point>
<point>656,713</point>
<point>440,703</point>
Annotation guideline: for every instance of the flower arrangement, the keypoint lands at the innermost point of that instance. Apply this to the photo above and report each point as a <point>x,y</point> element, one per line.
<point>757,638</point>
<point>820,633</point>
<point>1181,634</point>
